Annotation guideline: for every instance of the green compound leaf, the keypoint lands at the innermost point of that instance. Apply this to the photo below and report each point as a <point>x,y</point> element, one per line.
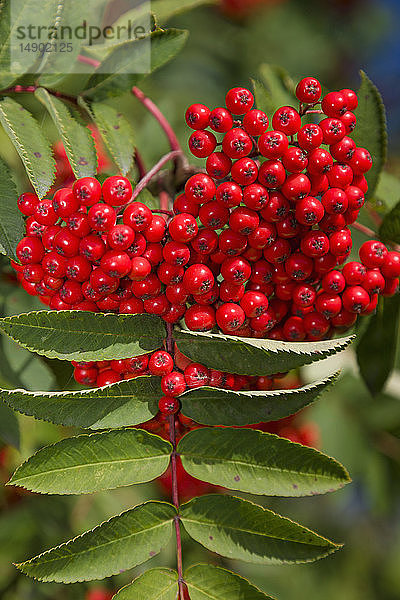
<point>9,426</point>
<point>208,582</point>
<point>118,73</point>
<point>376,350</point>
<point>241,530</point>
<point>77,139</point>
<point>118,405</point>
<point>117,135</point>
<point>259,463</point>
<point>84,336</point>
<point>250,356</point>
<point>212,406</point>
<point>90,463</point>
<point>29,141</point>
<point>12,225</point>
<point>116,545</point>
<point>155,584</point>
<point>389,230</point>
<point>370,132</point>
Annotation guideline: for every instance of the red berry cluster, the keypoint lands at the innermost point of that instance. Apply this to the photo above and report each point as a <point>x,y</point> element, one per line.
<point>281,203</point>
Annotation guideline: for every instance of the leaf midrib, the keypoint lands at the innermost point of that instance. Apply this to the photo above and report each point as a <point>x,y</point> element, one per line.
<point>255,465</point>
<point>257,533</point>
<point>69,556</point>
<point>124,460</point>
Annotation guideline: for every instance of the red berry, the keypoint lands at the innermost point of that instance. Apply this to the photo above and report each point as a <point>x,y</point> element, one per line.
<point>156,230</point>
<point>138,216</point>
<point>333,130</point>
<point>391,265</point>
<point>355,299</point>
<point>231,292</point>
<point>310,137</point>
<point>354,273</point>
<point>334,104</point>
<point>340,176</point>
<point>278,252</point>
<point>314,244</point>
<point>373,254</point>
<point>29,250</point>
<point>361,161</point>
<point>298,266</point>
<point>255,122</point>
<point>218,165</point>
<point>340,242</point>
<point>66,243</point>
<point>309,211</point>
<point>213,215</point>
<point>183,228</point>
<point>200,188</point>
<point>343,150</point>
<point>93,247</point>
<point>308,90</point>
<point>230,317</point>
<point>202,143</point>
<point>273,144</point>
<point>263,236</point>
<point>120,237</point>
<point>237,143</point>
<point>243,220</point>
<point>319,161</point>
<point>87,191</point>
<point>205,242</point>
<point>287,120</point>
<point>115,263</point>
<point>296,187</point>
<point>235,270</point>
<point>293,329</point>
<point>221,120</point>
<point>272,174</point>
<point>196,375</point>
<point>78,268</point>
<point>173,384</point>
<point>117,190</point>
<point>182,204</point>
<point>334,201</point>
<point>65,203</point>
<point>157,305</point>
<point>328,304</point>
<point>200,317</point>
<point>374,282</point>
<point>198,279</point>
<point>71,292</point>
<point>244,171</point>
<point>333,282</point>
<point>254,304</point>
<point>197,116</point>
<point>44,212</point>
<point>349,121</point>
<point>168,405</point>
<point>161,363</point>
<point>304,295</point>
<point>239,101</point>
<point>102,217</point>
<point>229,193</point>
<point>315,325</point>
<point>27,203</point>
<point>350,98</point>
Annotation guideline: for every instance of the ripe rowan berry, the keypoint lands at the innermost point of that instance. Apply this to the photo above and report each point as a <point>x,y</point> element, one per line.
<point>117,190</point>
<point>200,188</point>
<point>196,375</point>
<point>373,254</point>
<point>138,216</point>
<point>218,165</point>
<point>230,317</point>
<point>173,384</point>
<point>308,90</point>
<point>237,143</point>
<point>287,120</point>
<point>235,270</point>
<point>272,174</point>
<point>221,120</point>
<point>198,279</point>
<point>27,203</point>
<point>239,101</point>
<point>200,317</point>
<point>87,191</point>
<point>355,299</point>
<point>197,116</point>
<point>203,143</point>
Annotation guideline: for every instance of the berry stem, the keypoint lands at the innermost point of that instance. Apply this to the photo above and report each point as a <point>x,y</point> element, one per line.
<point>157,114</point>
<point>31,89</point>
<point>165,202</point>
<point>144,182</point>
<point>364,229</point>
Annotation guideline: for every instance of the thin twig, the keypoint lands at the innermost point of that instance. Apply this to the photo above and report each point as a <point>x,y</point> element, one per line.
<point>144,182</point>
<point>158,115</point>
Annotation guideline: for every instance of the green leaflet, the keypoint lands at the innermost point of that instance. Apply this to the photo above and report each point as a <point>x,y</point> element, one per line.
<point>90,463</point>
<point>165,9</point>
<point>12,225</point>
<point>249,356</point>
<point>118,405</point>
<point>208,582</point>
<point>259,463</point>
<point>85,336</point>
<point>273,88</point>
<point>77,139</point>
<point>370,132</point>
<point>118,72</point>
<point>245,531</point>
<point>116,545</point>
<point>381,334</point>
<point>30,143</point>
<point>117,134</point>
<point>212,406</point>
<point>155,584</point>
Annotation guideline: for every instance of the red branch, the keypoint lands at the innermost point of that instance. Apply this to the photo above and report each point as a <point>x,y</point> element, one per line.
<point>157,114</point>
<point>144,182</point>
